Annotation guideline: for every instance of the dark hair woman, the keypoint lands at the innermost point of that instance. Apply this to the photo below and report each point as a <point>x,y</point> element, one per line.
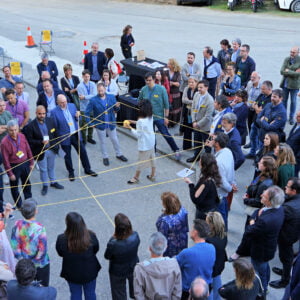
<point>224,55</point>
<point>240,108</point>
<point>187,101</point>
<point>127,41</point>
<point>78,247</point>
<point>205,195</point>
<point>246,285</point>
<point>161,78</point>
<point>109,83</point>
<point>121,251</point>
<point>173,224</point>
<point>231,82</point>
<point>271,141</point>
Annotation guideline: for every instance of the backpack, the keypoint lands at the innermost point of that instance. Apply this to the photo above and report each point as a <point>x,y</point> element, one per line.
<point>118,67</point>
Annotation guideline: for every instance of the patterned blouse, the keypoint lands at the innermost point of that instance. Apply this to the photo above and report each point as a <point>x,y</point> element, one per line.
<point>175,228</point>
<point>29,240</point>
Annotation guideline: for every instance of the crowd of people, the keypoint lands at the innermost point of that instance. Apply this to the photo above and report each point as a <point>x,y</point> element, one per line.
<point>214,106</point>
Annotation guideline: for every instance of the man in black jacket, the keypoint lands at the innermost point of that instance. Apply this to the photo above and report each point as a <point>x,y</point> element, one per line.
<point>289,233</point>
<point>48,98</point>
<point>95,62</point>
<point>263,231</point>
<point>41,135</point>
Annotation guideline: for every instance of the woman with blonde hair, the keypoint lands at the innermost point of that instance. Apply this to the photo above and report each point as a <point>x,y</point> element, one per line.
<point>285,162</point>
<point>218,238</point>
<point>173,224</point>
<point>246,285</point>
<point>175,96</point>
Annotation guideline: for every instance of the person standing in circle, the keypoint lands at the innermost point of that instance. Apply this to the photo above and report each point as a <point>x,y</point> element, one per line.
<point>78,247</point>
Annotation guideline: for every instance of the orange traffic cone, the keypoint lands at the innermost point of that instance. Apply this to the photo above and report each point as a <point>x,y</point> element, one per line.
<point>30,41</point>
<point>85,51</point>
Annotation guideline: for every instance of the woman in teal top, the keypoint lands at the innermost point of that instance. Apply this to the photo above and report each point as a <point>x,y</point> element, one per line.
<point>285,163</point>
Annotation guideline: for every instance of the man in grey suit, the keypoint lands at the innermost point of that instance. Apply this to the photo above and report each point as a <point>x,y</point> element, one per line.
<point>202,117</point>
<point>189,70</point>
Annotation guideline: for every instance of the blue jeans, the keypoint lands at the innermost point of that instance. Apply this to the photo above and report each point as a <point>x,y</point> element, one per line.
<point>262,268</point>
<point>293,93</point>
<point>47,167</point>
<point>254,140</point>
<point>223,210</point>
<point>165,133</point>
<point>216,284</point>
<point>88,290</point>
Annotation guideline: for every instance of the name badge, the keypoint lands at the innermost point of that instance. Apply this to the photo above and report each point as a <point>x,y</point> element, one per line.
<point>195,110</point>
<point>52,130</point>
<point>46,138</point>
<point>203,106</point>
<point>70,123</point>
<point>266,119</point>
<point>155,96</point>
<point>20,154</point>
<point>219,126</point>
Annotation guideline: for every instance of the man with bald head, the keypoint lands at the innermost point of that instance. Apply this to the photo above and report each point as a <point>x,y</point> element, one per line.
<point>290,82</point>
<point>199,289</point>
<point>41,135</point>
<point>66,118</point>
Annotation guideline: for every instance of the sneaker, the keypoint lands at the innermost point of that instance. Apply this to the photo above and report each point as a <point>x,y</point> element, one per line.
<point>177,155</point>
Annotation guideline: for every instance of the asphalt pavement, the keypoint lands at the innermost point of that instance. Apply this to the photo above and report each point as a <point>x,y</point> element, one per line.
<point>163,31</point>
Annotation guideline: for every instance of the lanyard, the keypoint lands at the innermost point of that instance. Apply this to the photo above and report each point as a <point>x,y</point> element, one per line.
<point>21,97</point>
<point>49,99</point>
<point>16,145</point>
<point>202,97</point>
<point>68,115</point>
<point>88,88</point>
<point>14,109</point>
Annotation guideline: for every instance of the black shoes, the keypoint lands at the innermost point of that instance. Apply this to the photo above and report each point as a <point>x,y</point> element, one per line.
<point>192,159</point>
<point>91,173</point>
<point>44,190</point>
<point>278,284</point>
<point>106,161</point>
<point>91,141</point>
<point>247,146</point>
<point>57,185</point>
<point>277,271</point>
<point>71,176</point>
<point>122,158</point>
<point>250,156</point>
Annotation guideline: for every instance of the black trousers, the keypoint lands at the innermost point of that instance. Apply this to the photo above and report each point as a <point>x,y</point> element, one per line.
<point>118,287</point>
<point>43,275</point>
<point>21,172</point>
<point>199,140</point>
<point>83,155</point>
<point>127,53</point>
<point>286,256</point>
<point>212,86</point>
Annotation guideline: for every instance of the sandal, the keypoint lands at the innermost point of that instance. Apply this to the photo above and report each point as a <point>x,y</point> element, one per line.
<point>133,181</point>
<point>151,178</point>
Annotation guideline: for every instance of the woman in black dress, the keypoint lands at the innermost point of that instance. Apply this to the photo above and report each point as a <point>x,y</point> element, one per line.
<point>205,195</point>
<point>127,41</point>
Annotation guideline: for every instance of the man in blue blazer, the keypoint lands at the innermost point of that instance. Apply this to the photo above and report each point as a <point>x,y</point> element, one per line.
<point>66,119</point>
<point>263,232</point>
<point>103,108</point>
<point>95,62</point>
<point>234,144</point>
<point>47,65</point>
<point>294,141</point>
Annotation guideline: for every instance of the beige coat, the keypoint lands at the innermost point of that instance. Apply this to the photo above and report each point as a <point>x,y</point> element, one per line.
<point>204,115</point>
